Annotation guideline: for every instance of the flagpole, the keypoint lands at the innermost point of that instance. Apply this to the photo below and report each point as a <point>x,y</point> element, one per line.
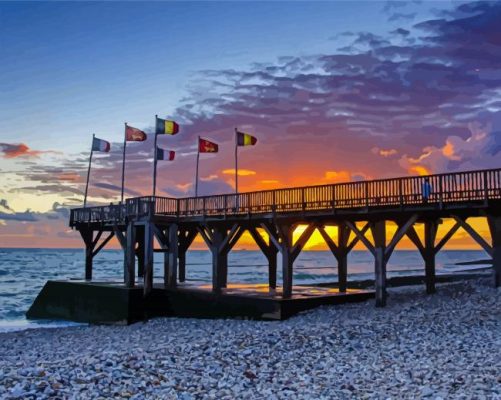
<point>88,170</point>
<point>155,159</point>
<point>196,176</point>
<point>123,164</point>
<point>236,161</point>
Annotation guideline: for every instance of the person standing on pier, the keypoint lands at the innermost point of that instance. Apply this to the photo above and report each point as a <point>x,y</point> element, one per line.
<point>427,189</point>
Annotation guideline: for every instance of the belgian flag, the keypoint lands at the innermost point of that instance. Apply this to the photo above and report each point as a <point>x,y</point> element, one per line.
<point>166,127</point>
<point>244,139</point>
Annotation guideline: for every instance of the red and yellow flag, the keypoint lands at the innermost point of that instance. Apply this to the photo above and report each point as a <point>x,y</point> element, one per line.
<point>206,146</point>
<point>134,134</point>
<point>244,139</point>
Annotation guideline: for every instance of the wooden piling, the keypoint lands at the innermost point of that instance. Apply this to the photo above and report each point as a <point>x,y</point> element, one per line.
<point>271,256</point>
<point>140,251</point>
<point>172,256</point>
<point>286,232</point>
<point>148,258</point>
<point>495,229</point>
<point>130,256</point>
<point>430,233</point>
<point>379,234</point>
<point>342,257</point>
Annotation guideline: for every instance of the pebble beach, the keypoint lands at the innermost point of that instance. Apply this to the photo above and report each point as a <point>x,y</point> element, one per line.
<point>442,346</point>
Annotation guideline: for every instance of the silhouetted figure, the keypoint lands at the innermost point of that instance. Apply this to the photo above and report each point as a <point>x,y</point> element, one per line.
<point>426,189</point>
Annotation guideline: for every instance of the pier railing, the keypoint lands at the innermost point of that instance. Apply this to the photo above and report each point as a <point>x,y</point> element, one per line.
<point>438,190</point>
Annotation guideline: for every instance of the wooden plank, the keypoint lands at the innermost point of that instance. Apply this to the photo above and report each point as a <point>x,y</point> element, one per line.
<point>120,237</point>
<point>171,267</point>
<point>356,239</point>
<point>379,234</point>
<point>272,235</point>
<point>399,234</point>
<point>475,236</point>
<point>148,259</point>
<point>430,234</point>
<point>447,237</point>
<point>205,235</point>
<point>361,237</point>
<point>130,256</point>
<point>494,222</point>
<point>301,241</point>
<point>414,238</point>
<point>104,243</point>
<point>161,238</point>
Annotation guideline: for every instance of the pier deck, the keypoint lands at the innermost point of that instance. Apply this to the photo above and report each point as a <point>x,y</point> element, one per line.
<point>270,217</point>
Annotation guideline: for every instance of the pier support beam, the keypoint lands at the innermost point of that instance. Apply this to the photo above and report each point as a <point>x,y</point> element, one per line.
<point>379,234</point>
<point>172,255</point>
<point>140,251</point>
<point>92,249</point>
<point>148,258</point>
<point>341,250</point>
<point>186,237</point>
<point>220,241</point>
<point>270,252</point>
<point>130,256</point>
<point>87,236</point>
<point>495,228</point>
<point>430,234</point>
<point>382,251</point>
<point>281,235</point>
<point>162,236</point>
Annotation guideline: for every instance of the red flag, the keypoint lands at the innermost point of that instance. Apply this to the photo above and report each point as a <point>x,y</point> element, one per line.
<point>134,134</point>
<point>206,146</point>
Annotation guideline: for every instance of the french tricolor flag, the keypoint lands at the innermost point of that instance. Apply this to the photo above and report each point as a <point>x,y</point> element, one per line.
<point>167,155</point>
<point>100,145</point>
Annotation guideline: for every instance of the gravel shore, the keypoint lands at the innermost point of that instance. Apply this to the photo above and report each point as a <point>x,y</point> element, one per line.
<point>443,346</point>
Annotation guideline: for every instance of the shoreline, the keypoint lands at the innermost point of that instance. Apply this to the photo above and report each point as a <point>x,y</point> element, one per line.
<point>437,346</point>
<point>392,282</point>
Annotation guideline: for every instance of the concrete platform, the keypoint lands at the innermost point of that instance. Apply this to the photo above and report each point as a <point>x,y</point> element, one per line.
<point>113,303</point>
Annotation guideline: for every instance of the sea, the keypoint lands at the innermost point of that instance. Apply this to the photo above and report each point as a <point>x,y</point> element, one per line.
<point>23,272</point>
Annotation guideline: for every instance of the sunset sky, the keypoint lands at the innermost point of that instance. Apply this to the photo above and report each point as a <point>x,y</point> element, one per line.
<point>334,91</point>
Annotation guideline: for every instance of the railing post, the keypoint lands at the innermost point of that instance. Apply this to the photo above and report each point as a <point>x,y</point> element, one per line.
<point>333,198</point>
<point>401,192</point>
<point>366,194</point>
<point>203,206</point>
<point>303,204</point>
<point>225,204</point>
<point>441,191</point>
<point>486,189</point>
<point>274,202</point>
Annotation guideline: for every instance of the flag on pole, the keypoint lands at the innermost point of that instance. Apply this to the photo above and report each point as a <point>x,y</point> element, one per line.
<point>134,135</point>
<point>167,155</point>
<point>165,126</point>
<point>206,146</point>
<point>100,145</point>
<point>244,139</point>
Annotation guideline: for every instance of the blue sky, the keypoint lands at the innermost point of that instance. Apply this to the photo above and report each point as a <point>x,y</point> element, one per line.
<point>334,92</point>
<point>70,69</point>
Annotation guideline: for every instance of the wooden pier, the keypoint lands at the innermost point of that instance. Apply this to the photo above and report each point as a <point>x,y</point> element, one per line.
<point>221,220</point>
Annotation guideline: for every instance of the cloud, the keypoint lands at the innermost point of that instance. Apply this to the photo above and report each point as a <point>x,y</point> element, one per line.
<point>241,172</point>
<point>480,150</point>
<point>11,150</point>
<point>401,17</point>
<point>384,152</point>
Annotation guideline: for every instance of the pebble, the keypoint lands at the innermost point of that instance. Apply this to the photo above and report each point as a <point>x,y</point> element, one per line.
<point>437,347</point>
